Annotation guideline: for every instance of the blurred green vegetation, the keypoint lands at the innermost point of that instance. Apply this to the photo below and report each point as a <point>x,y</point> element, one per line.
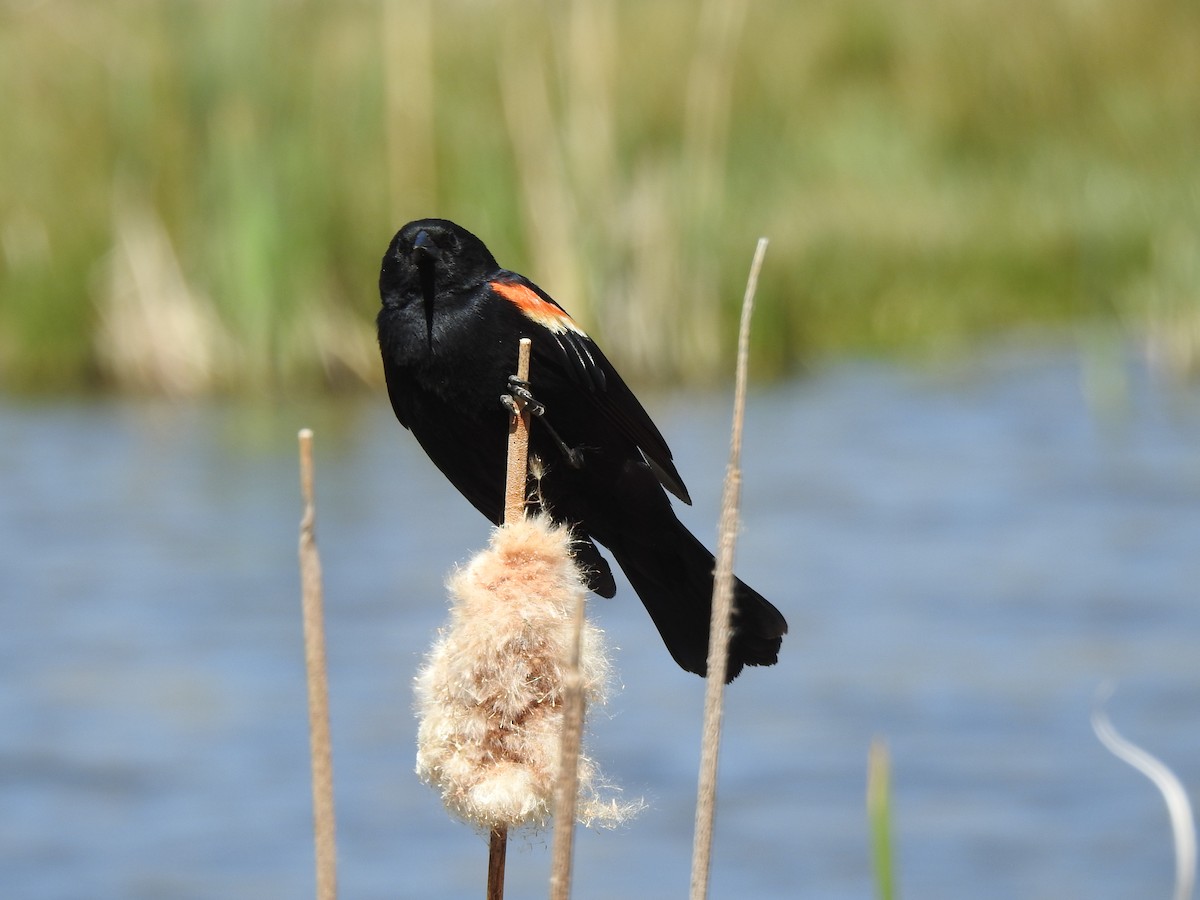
<point>195,195</point>
<point>879,819</point>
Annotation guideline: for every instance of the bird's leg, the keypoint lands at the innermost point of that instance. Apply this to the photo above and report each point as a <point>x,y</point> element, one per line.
<point>521,399</point>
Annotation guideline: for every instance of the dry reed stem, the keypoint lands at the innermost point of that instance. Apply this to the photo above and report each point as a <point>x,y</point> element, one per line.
<point>497,854</point>
<point>514,509</point>
<point>312,597</point>
<point>566,790</point>
<point>518,447</point>
<point>722,606</point>
<point>155,330</point>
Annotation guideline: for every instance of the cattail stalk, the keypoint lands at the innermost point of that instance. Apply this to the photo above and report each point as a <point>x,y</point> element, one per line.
<point>518,446</point>
<point>567,788</point>
<point>312,596</point>
<point>514,510</point>
<point>722,606</point>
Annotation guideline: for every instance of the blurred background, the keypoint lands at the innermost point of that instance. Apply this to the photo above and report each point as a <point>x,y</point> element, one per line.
<point>196,195</point>
<point>972,473</point>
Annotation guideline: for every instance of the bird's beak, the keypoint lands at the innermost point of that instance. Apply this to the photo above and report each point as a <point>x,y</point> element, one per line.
<point>425,254</point>
<point>424,248</point>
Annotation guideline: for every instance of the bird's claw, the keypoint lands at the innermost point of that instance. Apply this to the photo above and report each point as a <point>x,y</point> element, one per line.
<point>520,399</point>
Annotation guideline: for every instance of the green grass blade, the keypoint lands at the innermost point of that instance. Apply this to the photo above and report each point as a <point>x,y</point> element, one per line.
<point>879,818</point>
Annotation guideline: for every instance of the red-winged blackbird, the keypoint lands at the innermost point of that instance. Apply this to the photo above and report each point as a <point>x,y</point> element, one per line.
<point>448,333</point>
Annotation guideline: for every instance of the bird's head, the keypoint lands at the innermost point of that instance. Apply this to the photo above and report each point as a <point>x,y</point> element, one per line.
<point>429,258</point>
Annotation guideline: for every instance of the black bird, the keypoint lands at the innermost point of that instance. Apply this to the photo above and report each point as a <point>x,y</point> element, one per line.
<point>448,333</point>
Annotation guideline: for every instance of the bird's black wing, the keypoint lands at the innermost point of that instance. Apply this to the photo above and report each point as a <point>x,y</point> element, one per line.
<point>576,356</point>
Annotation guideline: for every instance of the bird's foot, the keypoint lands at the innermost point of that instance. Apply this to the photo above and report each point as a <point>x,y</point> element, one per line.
<point>520,399</point>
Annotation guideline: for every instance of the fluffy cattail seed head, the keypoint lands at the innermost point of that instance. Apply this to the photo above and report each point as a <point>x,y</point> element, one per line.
<point>490,695</point>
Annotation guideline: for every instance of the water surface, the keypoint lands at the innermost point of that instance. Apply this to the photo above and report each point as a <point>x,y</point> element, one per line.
<point>963,554</point>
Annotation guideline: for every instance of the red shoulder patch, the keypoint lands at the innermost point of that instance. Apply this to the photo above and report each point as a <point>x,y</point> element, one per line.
<point>534,307</point>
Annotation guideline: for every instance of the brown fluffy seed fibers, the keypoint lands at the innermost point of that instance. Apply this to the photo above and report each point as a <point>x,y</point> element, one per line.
<point>490,695</point>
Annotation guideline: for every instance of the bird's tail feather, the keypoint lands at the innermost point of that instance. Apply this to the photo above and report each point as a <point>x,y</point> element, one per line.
<point>674,579</point>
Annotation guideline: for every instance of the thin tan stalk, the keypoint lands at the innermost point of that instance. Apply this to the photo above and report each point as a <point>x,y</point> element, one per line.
<point>514,510</point>
<point>718,639</point>
<point>518,446</point>
<point>312,597</point>
<point>567,788</point>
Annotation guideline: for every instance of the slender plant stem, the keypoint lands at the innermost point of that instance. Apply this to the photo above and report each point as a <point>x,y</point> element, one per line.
<point>497,851</point>
<point>518,447</point>
<point>566,788</point>
<point>879,818</point>
<point>312,597</point>
<point>722,606</point>
<point>514,509</point>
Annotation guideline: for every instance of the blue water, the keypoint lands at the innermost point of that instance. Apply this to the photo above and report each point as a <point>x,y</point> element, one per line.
<point>964,553</point>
